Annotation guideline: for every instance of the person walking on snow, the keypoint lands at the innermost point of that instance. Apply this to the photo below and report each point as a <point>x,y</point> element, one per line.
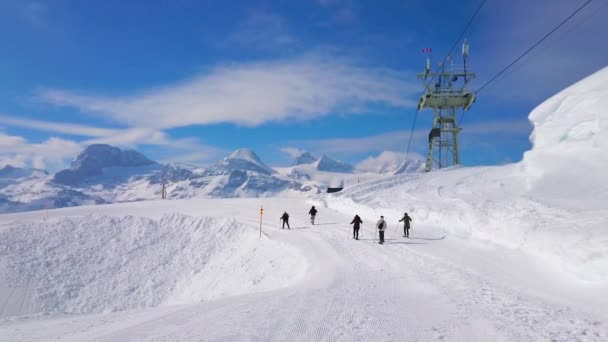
<point>313,213</point>
<point>285,219</point>
<point>357,224</point>
<point>406,225</point>
<point>381,225</point>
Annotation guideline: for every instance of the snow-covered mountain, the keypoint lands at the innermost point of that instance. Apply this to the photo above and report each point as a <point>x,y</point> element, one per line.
<point>106,174</point>
<point>328,164</point>
<point>98,160</point>
<point>304,158</point>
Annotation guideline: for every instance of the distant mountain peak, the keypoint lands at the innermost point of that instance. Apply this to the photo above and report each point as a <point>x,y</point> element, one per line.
<point>328,164</point>
<point>94,158</point>
<point>243,159</point>
<point>304,158</point>
<point>246,154</point>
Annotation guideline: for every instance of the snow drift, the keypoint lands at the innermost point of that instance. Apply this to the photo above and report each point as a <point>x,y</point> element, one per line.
<point>100,263</point>
<point>569,158</point>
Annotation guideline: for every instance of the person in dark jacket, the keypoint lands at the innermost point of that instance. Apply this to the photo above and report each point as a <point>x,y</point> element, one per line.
<point>313,213</point>
<point>406,225</point>
<point>357,224</point>
<point>285,219</point>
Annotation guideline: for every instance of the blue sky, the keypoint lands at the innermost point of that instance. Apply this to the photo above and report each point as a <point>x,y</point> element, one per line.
<point>189,81</point>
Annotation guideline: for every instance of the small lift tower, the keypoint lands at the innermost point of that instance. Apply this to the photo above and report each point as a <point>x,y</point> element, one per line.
<point>445,97</point>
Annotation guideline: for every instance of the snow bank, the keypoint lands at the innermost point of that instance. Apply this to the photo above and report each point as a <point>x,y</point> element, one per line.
<point>569,158</point>
<point>100,263</point>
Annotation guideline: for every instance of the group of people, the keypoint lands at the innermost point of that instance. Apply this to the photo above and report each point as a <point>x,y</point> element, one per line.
<point>285,217</point>
<point>381,225</point>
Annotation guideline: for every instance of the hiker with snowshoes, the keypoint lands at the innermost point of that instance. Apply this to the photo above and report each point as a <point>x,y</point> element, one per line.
<point>381,225</point>
<point>285,219</point>
<point>313,213</point>
<point>406,225</point>
<point>356,222</point>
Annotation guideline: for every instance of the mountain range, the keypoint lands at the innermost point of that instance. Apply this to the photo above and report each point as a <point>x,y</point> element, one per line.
<point>106,174</point>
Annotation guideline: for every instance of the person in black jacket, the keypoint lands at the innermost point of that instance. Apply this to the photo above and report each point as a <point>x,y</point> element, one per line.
<point>313,213</point>
<point>406,225</point>
<point>285,219</point>
<point>357,224</point>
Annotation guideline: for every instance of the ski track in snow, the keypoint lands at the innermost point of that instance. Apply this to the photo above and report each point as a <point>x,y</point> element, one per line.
<point>353,291</point>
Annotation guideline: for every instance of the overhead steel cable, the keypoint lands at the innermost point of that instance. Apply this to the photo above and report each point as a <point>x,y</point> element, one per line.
<point>533,46</point>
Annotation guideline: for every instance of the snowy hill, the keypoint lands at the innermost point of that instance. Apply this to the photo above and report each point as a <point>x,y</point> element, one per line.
<point>328,164</point>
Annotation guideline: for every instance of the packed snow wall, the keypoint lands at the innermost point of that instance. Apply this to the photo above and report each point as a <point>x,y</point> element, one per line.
<point>568,162</point>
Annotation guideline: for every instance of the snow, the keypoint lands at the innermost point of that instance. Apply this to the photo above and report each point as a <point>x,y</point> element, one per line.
<point>507,253</point>
<point>568,161</point>
<point>307,283</point>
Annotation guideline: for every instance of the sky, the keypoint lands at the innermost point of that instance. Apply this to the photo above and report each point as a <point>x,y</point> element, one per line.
<point>190,81</point>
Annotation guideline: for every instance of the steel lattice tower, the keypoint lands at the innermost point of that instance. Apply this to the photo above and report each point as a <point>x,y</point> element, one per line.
<point>446,97</point>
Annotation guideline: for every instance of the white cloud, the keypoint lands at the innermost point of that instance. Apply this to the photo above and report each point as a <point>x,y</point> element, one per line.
<point>292,151</point>
<point>385,162</point>
<point>262,29</point>
<point>53,153</point>
<point>397,140</point>
<point>252,94</point>
<point>57,127</point>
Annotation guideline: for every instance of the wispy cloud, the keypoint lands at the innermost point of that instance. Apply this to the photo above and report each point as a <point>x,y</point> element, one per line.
<point>387,161</point>
<point>262,30</point>
<point>397,140</point>
<point>35,13</point>
<point>292,151</point>
<point>57,152</point>
<point>57,127</point>
<point>52,153</point>
<point>252,94</point>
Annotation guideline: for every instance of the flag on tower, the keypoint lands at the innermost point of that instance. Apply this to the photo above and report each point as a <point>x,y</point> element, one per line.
<point>425,50</point>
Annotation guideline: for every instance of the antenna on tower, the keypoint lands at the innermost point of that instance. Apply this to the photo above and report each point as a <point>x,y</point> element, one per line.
<point>445,98</point>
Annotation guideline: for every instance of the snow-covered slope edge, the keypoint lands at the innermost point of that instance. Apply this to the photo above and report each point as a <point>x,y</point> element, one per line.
<point>553,204</point>
<point>569,158</point>
<point>101,263</point>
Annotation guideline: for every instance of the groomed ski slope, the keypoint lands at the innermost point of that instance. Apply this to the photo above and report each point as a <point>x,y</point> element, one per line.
<point>304,284</point>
